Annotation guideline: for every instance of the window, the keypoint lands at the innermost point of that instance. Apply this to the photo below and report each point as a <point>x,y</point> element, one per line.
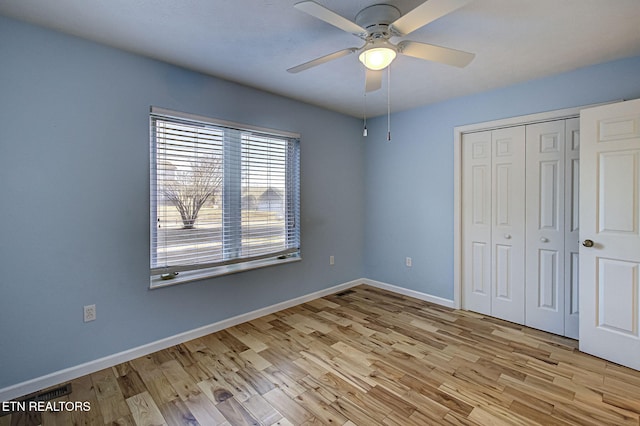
<point>224,197</point>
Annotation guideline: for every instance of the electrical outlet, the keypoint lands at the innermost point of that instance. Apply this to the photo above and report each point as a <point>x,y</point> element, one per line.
<point>89,313</point>
<point>408,262</point>
<point>332,260</point>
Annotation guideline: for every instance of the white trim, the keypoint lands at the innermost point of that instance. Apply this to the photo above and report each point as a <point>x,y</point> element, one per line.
<point>457,217</point>
<point>411,293</point>
<point>220,122</point>
<point>539,117</point>
<point>74,372</point>
<point>458,131</point>
<point>156,281</point>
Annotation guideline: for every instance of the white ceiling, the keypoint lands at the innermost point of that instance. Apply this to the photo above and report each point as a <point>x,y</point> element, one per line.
<point>253,42</point>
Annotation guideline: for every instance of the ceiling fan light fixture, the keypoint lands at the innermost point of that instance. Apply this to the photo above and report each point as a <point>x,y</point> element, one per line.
<point>378,55</point>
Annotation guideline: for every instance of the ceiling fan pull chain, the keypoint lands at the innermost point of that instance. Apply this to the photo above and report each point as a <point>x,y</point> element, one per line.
<point>364,108</point>
<point>389,103</point>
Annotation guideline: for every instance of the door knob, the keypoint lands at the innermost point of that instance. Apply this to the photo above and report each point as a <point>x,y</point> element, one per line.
<point>587,243</point>
<point>544,240</point>
<point>507,236</point>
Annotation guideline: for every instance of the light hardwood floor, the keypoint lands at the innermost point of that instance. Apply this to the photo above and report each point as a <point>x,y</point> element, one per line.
<point>367,357</point>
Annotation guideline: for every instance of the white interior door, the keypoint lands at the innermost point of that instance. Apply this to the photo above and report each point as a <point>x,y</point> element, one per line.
<point>609,216</point>
<point>476,222</point>
<point>508,230</point>
<point>545,237</point>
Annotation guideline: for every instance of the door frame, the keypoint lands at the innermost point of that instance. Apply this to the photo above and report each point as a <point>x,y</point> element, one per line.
<point>458,131</point>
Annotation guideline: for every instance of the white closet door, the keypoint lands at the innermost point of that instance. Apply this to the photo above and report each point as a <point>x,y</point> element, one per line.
<point>508,231</point>
<point>545,236</point>
<point>571,226</point>
<point>476,222</point>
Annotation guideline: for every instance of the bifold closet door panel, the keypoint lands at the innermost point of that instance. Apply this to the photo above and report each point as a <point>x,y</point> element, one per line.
<point>476,222</point>
<point>545,235</point>
<point>571,227</point>
<point>508,217</point>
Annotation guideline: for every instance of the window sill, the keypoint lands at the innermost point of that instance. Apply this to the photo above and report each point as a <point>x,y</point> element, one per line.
<point>201,274</point>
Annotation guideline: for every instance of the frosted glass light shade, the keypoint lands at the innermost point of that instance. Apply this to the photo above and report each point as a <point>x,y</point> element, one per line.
<point>377,58</point>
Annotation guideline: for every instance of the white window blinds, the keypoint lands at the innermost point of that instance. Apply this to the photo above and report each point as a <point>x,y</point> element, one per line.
<point>221,193</point>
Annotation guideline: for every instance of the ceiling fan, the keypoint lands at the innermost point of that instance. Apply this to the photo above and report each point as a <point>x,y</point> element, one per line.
<point>376,25</point>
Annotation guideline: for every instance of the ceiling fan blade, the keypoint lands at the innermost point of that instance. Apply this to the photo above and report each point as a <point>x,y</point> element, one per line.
<point>427,12</point>
<point>330,17</point>
<point>322,60</point>
<point>373,80</point>
<point>431,52</point>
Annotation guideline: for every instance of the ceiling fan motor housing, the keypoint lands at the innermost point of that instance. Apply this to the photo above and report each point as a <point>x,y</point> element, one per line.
<point>376,20</point>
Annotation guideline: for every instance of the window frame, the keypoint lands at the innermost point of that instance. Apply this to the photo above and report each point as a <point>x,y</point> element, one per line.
<point>230,265</point>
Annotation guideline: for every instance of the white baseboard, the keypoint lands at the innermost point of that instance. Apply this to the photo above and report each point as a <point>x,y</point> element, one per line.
<point>411,293</point>
<point>34,385</point>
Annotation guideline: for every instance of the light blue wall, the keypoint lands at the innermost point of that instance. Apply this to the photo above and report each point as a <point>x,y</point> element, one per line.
<point>74,190</point>
<point>409,181</point>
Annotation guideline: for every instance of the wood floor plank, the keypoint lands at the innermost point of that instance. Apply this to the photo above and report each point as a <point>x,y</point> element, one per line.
<point>492,416</point>
<point>290,409</point>
<point>109,395</point>
<point>232,381</point>
<point>320,408</point>
<point>364,357</point>
<point>256,380</point>
<point>535,415</point>
<point>251,341</point>
<point>144,410</point>
<point>434,398</point>
<point>389,399</point>
<point>154,380</point>
<point>262,410</point>
<point>354,412</point>
<point>131,384</point>
<point>181,381</point>
<point>176,413</point>
<point>83,390</point>
<point>235,413</point>
<point>283,382</point>
<point>255,360</point>
<point>205,411</point>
